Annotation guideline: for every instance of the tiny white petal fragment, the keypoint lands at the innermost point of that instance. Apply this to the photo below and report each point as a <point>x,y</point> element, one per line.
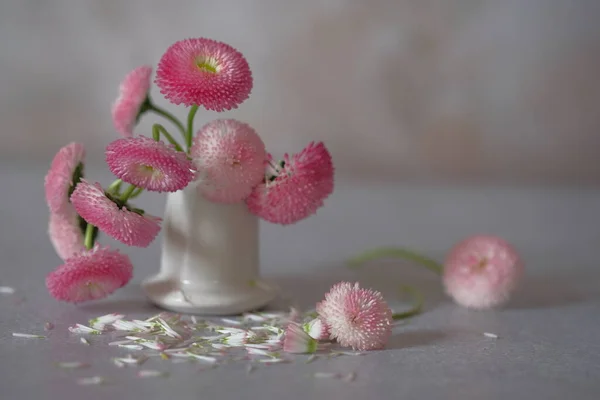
<point>311,358</point>
<point>194,321</point>
<point>326,375</point>
<point>273,360</point>
<point>78,328</point>
<point>6,290</point>
<point>28,336</point>
<point>349,377</point>
<point>73,365</point>
<point>131,346</point>
<point>92,380</point>
<point>120,342</point>
<point>84,341</point>
<point>490,335</point>
<point>202,358</point>
<point>231,321</point>
<point>150,373</point>
<point>250,368</point>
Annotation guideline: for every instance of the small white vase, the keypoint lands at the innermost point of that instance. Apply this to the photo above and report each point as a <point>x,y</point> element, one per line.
<point>210,258</point>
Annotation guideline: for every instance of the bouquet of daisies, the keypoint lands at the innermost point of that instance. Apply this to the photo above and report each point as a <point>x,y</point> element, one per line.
<point>225,160</point>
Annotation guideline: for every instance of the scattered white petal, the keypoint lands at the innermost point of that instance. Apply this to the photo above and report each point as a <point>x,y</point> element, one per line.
<point>273,360</point>
<point>150,373</point>
<point>168,330</point>
<point>118,363</point>
<point>120,342</point>
<point>28,336</point>
<point>72,365</point>
<point>84,341</point>
<point>202,358</point>
<point>346,353</point>
<point>231,321</point>
<point>78,328</point>
<point>250,368</point>
<point>6,290</point>
<point>131,346</point>
<point>92,380</point>
<point>490,335</point>
<point>326,375</point>
<point>311,358</point>
<point>350,377</point>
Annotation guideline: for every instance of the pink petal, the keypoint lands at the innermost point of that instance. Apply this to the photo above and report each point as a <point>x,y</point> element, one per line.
<point>65,234</point>
<point>59,179</point>
<point>132,94</point>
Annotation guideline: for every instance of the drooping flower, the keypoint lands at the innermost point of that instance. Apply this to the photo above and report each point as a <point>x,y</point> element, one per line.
<point>149,164</point>
<point>90,275</point>
<point>297,341</point>
<point>295,188</point>
<point>204,72</point>
<point>126,226</point>
<point>316,329</point>
<point>482,272</point>
<point>65,171</point>
<point>230,159</point>
<point>133,92</point>
<point>65,233</point>
<point>358,318</point>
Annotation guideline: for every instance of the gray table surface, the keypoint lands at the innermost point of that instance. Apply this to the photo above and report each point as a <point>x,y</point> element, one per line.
<point>548,346</point>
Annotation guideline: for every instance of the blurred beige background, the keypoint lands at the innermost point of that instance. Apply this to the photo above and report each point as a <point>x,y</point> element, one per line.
<point>447,89</point>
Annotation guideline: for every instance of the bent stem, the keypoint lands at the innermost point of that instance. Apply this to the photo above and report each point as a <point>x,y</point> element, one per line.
<point>157,129</point>
<point>164,113</point>
<point>396,252</point>
<point>417,304</point>
<point>127,194</point>
<point>190,127</point>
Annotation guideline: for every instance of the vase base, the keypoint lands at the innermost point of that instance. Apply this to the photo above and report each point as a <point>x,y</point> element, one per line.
<point>168,293</point>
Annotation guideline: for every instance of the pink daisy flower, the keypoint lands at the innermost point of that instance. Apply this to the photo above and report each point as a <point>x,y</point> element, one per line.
<point>317,329</point>
<point>90,275</point>
<point>133,92</point>
<point>358,318</point>
<point>65,171</point>
<point>149,164</point>
<point>126,226</point>
<point>297,341</point>
<point>65,233</point>
<point>204,72</point>
<point>481,272</point>
<point>295,188</point>
<point>230,159</point>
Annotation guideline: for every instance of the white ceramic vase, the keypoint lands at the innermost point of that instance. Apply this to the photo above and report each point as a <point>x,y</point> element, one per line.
<point>210,258</point>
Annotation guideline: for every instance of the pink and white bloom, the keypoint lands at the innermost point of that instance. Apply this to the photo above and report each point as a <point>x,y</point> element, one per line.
<point>230,159</point>
<point>126,226</point>
<point>481,272</point>
<point>297,341</point>
<point>133,92</point>
<point>295,188</point>
<point>90,275</point>
<point>65,233</point>
<point>317,329</point>
<point>204,72</point>
<point>358,318</point>
<point>150,164</point>
<point>65,171</point>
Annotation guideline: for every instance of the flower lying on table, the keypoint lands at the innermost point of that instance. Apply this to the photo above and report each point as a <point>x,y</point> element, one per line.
<point>226,159</point>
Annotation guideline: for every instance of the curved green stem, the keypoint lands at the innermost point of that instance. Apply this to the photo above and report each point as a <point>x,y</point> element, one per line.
<point>190,127</point>
<point>157,129</point>
<point>417,304</point>
<point>396,252</point>
<point>136,193</point>
<point>89,236</point>
<point>127,193</point>
<point>164,113</point>
<point>115,186</point>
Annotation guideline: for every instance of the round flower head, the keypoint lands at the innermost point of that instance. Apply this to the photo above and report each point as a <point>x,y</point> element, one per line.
<point>149,164</point>
<point>65,233</point>
<point>295,188</point>
<point>126,226</point>
<point>230,159</point>
<point>133,92</point>
<point>90,275</point>
<point>65,171</point>
<point>481,272</point>
<point>358,318</point>
<point>204,72</point>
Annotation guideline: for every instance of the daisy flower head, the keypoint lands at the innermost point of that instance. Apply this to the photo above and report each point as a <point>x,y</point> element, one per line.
<point>129,227</point>
<point>65,172</point>
<point>133,92</point>
<point>65,233</point>
<point>229,157</point>
<point>295,188</point>
<point>204,72</point>
<point>297,341</point>
<point>358,318</point>
<point>481,272</point>
<point>149,164</point>
<point>90,275</point>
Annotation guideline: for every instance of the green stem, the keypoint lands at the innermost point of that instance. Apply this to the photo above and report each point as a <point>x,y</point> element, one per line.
<point>396,252</point>
<point>417,307</point>
<point>127,194</point>
<point>136,193</point>
<point>190,127</point>
<point>114,187</point>
<point>89,236</point>
<point>164,113</point>
<point>157,129</point>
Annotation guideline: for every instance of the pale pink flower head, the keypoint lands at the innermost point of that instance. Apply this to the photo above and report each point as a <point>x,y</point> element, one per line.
<point>295,188</point>
<point>65,233</point>
<point>317,329</point>
<point>230,159</point>
<point>481,272</point>
<point>150,164</point>
<point>298,341</point>
<point>126,226</point>
<point>204,72</point>
<point>133,92</point>
<point>90,275</point>
<point>65,171</point>
<point>358,318</point>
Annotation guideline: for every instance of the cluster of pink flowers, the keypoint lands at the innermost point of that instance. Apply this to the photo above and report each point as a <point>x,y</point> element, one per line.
<point>225,161</point>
